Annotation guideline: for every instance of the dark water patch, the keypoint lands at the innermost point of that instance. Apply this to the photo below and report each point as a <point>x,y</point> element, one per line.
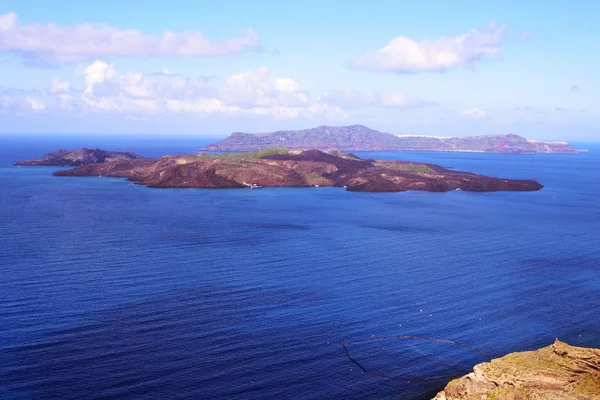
<point>179,341</point>
<point>282,226</point>
<point>549,302</point>
<point>550,204</point>
<point>400,228</point>
<point>554,268</point>
<point>200,240</point>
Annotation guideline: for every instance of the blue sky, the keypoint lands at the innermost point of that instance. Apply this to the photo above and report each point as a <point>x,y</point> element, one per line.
<point>213,67</point>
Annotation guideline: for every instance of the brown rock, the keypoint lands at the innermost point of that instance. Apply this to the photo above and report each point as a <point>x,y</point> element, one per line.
<point>555,372</point>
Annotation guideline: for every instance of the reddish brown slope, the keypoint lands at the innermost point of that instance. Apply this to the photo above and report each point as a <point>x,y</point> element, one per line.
<point>300,168</point>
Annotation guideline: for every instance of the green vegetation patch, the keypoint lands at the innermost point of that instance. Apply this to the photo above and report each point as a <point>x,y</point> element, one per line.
<point>407,167</point>
<point>225,156</point>
<point>271,152</point>
<point>244,155</point>
<point>417,168</point>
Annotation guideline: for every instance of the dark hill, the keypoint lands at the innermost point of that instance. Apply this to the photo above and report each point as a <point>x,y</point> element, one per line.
<point>73,158</point>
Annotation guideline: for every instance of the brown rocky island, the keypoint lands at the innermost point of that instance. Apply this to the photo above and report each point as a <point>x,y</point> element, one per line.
<point>73,158</point>
<point>555,372</point>
<point>277,168</point>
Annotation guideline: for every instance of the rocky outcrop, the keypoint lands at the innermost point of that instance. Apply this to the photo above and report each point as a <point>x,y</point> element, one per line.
<point>555,372</point>
<point>361,138</point>
<point>72,158</point>
<point>296,168</point>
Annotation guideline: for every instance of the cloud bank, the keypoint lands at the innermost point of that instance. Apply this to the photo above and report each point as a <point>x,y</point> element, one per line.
<point>251,93</point>
<point>86,42</point>
<point>103,89</point>
<point>405,56</point>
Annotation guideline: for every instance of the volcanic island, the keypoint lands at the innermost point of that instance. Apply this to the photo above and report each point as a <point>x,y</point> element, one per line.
<point>275,168</point>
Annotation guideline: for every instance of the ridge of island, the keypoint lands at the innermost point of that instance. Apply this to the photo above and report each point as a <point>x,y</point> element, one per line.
<point>277,168</point>
<point>362,138</point>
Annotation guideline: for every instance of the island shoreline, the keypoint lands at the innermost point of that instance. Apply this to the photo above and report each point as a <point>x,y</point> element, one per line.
<point>276,168</point>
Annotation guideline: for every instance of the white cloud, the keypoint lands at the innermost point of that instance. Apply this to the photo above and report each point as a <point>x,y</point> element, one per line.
<point>258,88</point>
<point>36,105</point>
<point>474,113</point>
<point>63,92</point>
<point>247,94</point>
<point>252,93</point>
<point>105,89</point>
<point>58,87</point>
<point>405,55</point>
<point>98,72</point>
<point>85,42</point>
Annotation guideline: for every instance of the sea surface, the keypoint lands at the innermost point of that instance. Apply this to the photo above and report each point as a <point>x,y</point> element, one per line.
<point>110,290</point>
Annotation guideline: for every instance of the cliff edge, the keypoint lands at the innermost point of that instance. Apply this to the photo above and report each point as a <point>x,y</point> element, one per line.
<point>555,372</point>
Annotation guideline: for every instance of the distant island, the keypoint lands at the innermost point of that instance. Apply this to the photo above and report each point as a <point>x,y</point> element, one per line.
<point>558,371</point>
<point>361,138</point>
<point>73,158</point>
<point>275,168</point>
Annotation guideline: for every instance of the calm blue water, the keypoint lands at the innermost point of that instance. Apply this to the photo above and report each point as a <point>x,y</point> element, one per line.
<point>112,290</point>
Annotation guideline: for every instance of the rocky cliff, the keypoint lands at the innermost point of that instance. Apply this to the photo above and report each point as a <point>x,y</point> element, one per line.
<point>555,372</point>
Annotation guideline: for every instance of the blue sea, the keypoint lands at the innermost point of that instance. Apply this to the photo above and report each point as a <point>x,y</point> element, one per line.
<point>110,290</point>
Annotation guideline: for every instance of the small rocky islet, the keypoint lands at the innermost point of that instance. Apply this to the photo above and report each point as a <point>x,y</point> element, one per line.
<point>73,158</point>
<point>275,168</point>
